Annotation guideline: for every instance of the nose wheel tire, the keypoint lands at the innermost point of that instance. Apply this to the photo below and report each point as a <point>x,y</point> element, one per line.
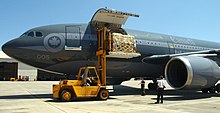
<point>103,94</point>
<point>66,96</point>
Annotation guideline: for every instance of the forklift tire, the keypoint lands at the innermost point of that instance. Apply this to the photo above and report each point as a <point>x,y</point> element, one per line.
<point>103,94</point>
<point>66,95</point>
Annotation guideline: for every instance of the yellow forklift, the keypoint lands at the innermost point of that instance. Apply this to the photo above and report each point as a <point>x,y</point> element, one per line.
<point>91,82</point>
<point>87,85</point>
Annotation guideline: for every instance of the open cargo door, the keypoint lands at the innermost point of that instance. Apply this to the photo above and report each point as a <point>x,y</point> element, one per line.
<point>120,46</point>
<point>110,18</point>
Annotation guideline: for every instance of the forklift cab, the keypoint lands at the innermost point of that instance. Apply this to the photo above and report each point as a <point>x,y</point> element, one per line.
<point>89,76</point>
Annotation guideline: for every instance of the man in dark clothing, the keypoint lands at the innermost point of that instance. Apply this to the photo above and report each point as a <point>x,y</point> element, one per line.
<point>160,88</point>
<point>142,87</point>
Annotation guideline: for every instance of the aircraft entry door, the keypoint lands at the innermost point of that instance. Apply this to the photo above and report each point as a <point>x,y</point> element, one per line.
<point>171,47</point>
<point>73,38</point>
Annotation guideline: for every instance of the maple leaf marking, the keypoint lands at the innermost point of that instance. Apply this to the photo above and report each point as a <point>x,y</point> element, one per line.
<point>54,42</point>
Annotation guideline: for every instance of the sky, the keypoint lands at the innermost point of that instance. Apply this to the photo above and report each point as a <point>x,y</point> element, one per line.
<point>198,19</point>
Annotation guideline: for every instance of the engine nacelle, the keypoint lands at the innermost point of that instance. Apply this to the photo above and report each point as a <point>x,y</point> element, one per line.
<point>191,72</point>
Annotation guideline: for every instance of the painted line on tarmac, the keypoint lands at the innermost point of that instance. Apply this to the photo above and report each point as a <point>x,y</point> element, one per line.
<point>34,95</point>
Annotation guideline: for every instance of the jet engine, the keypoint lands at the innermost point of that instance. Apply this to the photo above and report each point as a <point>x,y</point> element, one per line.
<point>191,72</point>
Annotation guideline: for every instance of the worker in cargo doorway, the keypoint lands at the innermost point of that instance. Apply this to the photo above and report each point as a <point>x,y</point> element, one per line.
<point>160,89</point>
<point>142,86</point>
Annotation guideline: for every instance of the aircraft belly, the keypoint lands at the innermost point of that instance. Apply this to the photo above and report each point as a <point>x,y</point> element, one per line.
<point>114,69</point>
<point>140,70</point>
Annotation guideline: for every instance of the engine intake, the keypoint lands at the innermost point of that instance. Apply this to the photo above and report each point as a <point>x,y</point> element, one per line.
<point>191,72</point>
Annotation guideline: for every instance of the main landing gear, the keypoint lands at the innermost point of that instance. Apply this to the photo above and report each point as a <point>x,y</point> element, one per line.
<point>153,85</point>
<point>212,89</point>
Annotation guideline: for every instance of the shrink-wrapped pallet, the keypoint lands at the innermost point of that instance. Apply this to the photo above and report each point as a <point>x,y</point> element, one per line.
<point>123,43</point>
<point>124,46</point>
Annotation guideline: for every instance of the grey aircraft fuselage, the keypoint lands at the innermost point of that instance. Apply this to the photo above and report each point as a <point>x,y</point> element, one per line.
<point>65,48</point>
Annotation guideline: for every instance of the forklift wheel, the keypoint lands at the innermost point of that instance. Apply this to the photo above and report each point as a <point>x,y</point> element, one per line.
<point>66,96</point>
<point>103,94</point>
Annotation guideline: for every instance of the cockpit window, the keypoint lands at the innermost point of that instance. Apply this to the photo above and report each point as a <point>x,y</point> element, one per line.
<point>31,34</point>
<point>24,34</point>
<point>39,34</point>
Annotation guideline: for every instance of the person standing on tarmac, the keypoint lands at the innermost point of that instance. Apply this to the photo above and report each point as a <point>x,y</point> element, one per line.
<point>160,89</point>
<point>142,87</point>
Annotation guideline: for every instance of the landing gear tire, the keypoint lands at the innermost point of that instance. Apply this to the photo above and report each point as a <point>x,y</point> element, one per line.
<point>103,94</point>
<point>212,89</point>
<point>66,96</point>
<point>152,86</point>
<point>205,90</point>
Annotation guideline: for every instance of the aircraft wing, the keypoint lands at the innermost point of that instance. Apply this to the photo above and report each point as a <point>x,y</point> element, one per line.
<point>161,59</point>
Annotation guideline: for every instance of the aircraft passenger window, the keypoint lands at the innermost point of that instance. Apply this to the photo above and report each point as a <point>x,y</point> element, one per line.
<point>39,34</point>
<point>31,34</point>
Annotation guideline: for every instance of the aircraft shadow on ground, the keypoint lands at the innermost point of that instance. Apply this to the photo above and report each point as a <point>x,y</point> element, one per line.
<point>28,96</point>
<point>169,94</point>
<point>119,90</point>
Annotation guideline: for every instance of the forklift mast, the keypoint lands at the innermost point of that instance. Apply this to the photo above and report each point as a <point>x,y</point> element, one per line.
<point>104,45</point>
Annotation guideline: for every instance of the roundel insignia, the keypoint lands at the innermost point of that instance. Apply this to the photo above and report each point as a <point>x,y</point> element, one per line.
<point>54,42</point>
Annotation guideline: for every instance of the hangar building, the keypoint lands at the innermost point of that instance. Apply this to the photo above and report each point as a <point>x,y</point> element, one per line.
<point>25,70</point>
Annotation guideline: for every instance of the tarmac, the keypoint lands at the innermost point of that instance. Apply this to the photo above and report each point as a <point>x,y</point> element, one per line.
<point>35,97</point>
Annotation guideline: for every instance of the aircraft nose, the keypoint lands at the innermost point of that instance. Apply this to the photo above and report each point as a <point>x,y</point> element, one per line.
<point>8,48</point>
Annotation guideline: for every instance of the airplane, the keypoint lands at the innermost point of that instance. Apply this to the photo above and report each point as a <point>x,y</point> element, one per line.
<point>64,48</point>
